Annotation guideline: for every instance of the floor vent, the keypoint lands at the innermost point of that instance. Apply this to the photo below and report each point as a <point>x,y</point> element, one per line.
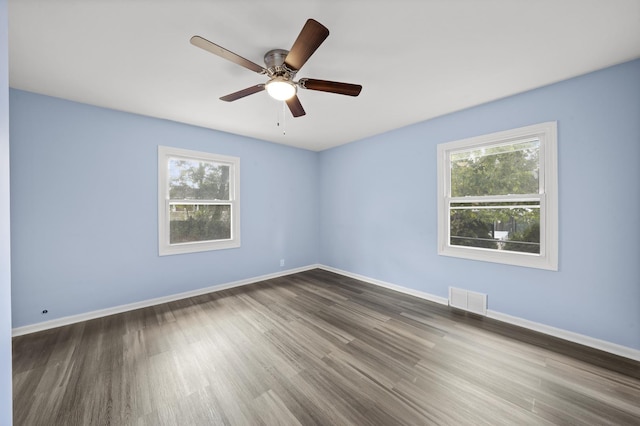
<point>468,300</point>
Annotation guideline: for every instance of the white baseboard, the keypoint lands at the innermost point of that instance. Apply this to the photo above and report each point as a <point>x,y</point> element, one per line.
<point>581,339</point>
<point>602,345</point>
<point>59,322</point>
<point>400,289</point>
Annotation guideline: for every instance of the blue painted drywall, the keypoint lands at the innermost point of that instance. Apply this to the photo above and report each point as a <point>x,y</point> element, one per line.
<point>6,401</point>
<point>84,229</point>
<point>378,207</point>
<point>84,206</point>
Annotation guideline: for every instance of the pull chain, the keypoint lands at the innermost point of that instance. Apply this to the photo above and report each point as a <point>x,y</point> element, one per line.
<point>284,115</point>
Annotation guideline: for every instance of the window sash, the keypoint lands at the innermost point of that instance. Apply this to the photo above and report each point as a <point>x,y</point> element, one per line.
<point>184,232</point>
<point>541,165</point>
<point>230,180</point>
<point>497,203</point>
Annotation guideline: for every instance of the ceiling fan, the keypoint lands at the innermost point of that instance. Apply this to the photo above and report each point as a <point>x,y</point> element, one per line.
<point>281,68</point>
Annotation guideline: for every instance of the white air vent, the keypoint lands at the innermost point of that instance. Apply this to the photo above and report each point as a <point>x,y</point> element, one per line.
<point>468,300</point>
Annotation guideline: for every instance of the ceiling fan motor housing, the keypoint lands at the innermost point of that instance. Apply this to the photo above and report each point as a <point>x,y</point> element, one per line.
<point>274,60</point>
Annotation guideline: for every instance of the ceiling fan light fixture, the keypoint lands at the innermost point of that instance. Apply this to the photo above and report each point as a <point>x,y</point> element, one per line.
<point>281,89</point>
<point>282,67</point>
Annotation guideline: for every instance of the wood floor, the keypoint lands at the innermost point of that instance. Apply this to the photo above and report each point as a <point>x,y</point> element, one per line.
<point>314,348</point>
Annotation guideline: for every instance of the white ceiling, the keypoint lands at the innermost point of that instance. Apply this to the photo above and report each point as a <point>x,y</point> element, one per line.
<point>416,59</point>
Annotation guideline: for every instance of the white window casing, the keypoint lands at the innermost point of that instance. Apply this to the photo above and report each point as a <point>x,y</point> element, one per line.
<point>165,203</point>
<point>547,197</point>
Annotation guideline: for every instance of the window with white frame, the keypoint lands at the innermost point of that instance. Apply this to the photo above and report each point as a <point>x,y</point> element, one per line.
<point>497,197</point>
<point>198,201</point>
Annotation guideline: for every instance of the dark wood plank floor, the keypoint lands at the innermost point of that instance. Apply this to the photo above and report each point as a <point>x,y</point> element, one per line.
<point>314,348</point>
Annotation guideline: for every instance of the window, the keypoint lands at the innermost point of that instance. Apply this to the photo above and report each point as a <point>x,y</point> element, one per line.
<point>498,198</point>
<point>198,201</point>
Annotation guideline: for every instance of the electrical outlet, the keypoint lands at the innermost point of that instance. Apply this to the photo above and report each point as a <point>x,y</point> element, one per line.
<point>281,262</point>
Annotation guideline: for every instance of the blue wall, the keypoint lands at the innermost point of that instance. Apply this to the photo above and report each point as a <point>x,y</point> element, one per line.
<point>378,207</point>
<point>84,206</point>
<point>84,229</point>
<point>6,403</point>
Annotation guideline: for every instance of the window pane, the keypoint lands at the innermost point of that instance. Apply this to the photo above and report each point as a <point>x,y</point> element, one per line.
<point>198,180</point>
<point>196,222</point>
<point>498,226</point>
<point>497,170</point>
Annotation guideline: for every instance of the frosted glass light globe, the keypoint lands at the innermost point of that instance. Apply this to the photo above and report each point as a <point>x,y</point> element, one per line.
<point>281,89</point>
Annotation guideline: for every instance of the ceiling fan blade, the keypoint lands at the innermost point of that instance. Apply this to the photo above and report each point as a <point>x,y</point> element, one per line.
<point>310,38</point>
<point>330,86</point>
<point>242,93</point>
<point>295,106</point>
<point>226,54</point>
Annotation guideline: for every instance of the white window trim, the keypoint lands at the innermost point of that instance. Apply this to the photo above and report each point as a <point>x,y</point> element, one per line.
<point>548,257</point>
<point>164,247</point>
